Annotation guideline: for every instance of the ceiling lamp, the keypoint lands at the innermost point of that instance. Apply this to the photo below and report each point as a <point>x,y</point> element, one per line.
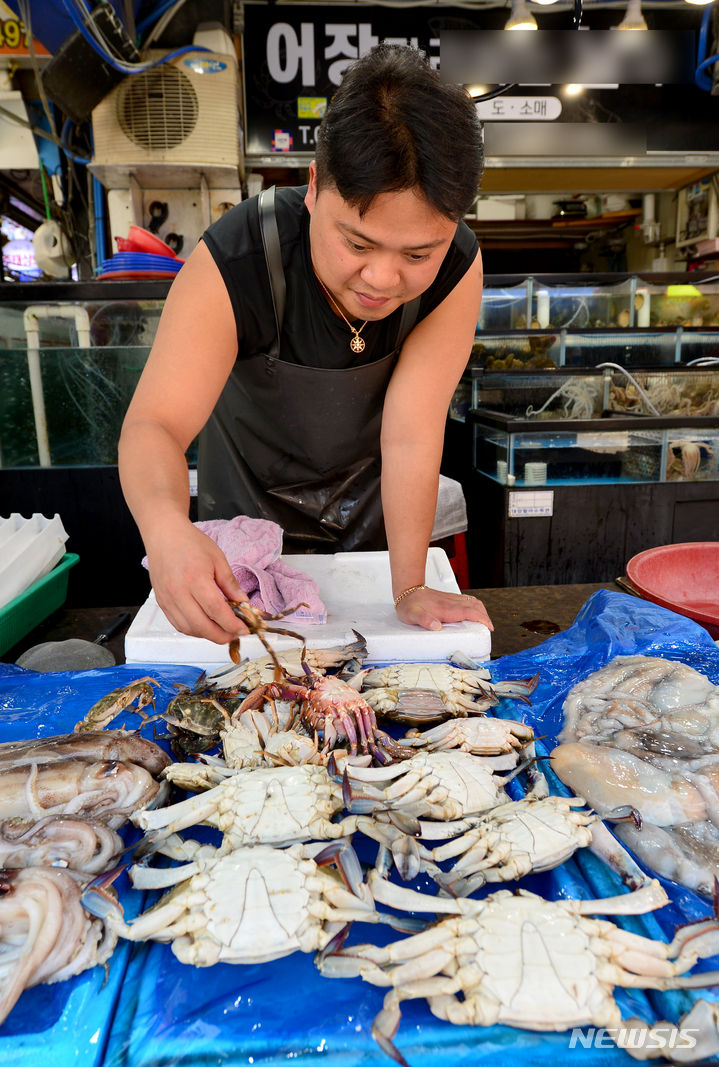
<point>546,3</point>
<point>697,3</point>
<point>521,17</point>
<point>633,18</point>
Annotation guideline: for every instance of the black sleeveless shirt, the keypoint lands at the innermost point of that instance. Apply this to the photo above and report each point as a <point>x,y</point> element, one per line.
<point>312,335</point>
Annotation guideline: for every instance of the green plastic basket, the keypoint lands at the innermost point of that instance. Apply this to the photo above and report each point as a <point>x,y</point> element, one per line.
<point>29,609</point>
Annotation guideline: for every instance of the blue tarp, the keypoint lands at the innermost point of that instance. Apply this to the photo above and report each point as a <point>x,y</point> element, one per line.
<point>156,1012</point>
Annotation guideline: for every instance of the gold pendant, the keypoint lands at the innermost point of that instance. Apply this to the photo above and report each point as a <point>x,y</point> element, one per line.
<point>357,343</point>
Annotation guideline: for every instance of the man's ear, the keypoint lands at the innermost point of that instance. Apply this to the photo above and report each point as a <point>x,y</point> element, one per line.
<point>311,194</point>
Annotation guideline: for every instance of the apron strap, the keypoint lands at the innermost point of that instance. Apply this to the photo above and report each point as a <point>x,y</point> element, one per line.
<point>410,312</point>
<point>273,258</point>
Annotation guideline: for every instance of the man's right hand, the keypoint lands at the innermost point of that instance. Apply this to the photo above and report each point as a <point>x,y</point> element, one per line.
<point>193,581</point>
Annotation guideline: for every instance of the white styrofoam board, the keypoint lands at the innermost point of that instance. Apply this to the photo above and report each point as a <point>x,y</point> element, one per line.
<point>357,591</point>
<point>29,549</point>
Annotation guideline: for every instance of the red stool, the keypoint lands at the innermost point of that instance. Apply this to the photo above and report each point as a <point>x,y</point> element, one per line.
<point>456,548</point>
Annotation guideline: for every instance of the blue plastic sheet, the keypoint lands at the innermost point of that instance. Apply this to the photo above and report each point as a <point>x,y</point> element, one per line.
<point>157,1012</point>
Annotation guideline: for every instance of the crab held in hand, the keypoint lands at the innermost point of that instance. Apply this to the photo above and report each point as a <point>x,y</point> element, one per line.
<point>294,663</point>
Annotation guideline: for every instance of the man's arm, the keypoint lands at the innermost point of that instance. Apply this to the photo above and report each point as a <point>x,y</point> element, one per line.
<point>432,361</point>
<point>190,361</point>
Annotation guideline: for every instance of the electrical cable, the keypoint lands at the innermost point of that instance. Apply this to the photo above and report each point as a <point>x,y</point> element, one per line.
<point>701,80</point>
<point>153,18</point>
<point>37,130</point>
<point>65,137</point>
<point>635,383</point>
<point>24,9</point>
<point>164,18</point>
<point>45,194</point>
<point>102,47</point>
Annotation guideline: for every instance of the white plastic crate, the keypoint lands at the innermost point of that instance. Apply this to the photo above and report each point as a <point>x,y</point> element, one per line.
<point>356,590</point>
<point>29,549</point>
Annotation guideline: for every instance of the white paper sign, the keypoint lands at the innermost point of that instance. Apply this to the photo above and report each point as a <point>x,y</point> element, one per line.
<point>531,505</point>
<point>523,108</point>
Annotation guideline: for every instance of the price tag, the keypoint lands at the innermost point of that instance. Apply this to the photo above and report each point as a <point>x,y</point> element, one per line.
<point>531,505</point>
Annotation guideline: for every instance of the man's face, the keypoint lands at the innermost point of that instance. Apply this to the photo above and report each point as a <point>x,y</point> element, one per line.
<point>375,263</point>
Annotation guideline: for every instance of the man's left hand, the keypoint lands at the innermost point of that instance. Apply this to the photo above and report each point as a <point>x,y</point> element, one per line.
<point>429,608</point>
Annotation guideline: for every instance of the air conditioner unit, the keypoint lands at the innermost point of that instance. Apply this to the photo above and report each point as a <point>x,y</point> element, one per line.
<point>170,124</point>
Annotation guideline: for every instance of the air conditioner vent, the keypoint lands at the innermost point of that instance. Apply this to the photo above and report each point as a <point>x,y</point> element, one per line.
<point>158,108</point>
<point>171,124</point>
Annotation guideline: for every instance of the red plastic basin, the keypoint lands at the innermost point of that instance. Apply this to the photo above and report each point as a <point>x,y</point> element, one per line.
<point>682,577</point>
<point>139,240</point>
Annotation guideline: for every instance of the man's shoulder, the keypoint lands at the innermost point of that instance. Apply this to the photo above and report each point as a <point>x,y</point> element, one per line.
<point>465,240</point>
<point>237,232</point>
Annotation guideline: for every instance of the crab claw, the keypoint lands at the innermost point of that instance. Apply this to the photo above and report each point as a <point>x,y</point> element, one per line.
<point>384,1028</point>
<point>344,856</point>
<point>335,944</point>
<point>520,689</point>
<point>405,854</point>
<point>97,901</point>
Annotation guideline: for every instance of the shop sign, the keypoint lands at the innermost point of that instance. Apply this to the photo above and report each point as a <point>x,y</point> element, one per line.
<point>297,60</point>
<point>295,57</point>
<point>520,108</point>
<point>14,36</point>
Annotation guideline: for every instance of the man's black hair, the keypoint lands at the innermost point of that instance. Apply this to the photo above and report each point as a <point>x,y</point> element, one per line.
<point>393,125</point>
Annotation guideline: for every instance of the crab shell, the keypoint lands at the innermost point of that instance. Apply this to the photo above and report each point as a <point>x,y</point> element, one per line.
<point>270,805</point>
<point>480,736</point>
<point>462,784</point>
<point>250,906</point>
<point>417,693</point>
<point>509,841</point>
<point>336,712</point>
<point>523,961</point>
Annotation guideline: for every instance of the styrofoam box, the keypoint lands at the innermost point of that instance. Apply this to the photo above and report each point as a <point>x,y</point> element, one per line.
<point>29,549</point>
<point>357,591</point>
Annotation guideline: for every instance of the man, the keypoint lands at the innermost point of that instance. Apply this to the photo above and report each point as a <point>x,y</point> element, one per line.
<point>316,339</point>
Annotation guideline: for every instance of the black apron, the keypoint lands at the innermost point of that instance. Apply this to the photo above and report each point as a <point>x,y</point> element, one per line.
<point>299,445</point>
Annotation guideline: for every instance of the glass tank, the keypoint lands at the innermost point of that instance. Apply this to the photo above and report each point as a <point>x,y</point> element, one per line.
<point>517,350</point>
<point>591,394</point>
<point>505,308</point>
<point>592,302</point>
<point>588,306</point>
<point>631,348</point>
<point>554,453</point>
<point>686,303</point>
<point>68,369</point>
<point>70,414</point>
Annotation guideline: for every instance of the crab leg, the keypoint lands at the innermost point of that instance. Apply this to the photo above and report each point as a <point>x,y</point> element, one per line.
<point>186,813</point>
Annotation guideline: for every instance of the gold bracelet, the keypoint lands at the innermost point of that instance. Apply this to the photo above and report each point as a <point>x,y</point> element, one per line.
<point>406,592</point>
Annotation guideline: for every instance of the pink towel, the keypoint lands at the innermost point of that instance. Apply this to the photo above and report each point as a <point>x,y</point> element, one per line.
<point>253,548</point>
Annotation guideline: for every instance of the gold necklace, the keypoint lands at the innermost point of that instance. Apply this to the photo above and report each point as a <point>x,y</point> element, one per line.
<point>357,343</point>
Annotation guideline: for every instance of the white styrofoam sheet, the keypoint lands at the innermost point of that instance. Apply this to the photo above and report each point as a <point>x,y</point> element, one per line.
<point>357,591</point>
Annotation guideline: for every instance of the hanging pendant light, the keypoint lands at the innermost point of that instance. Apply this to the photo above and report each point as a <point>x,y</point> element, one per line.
<point>521,17</point>
<point>633,18</point>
